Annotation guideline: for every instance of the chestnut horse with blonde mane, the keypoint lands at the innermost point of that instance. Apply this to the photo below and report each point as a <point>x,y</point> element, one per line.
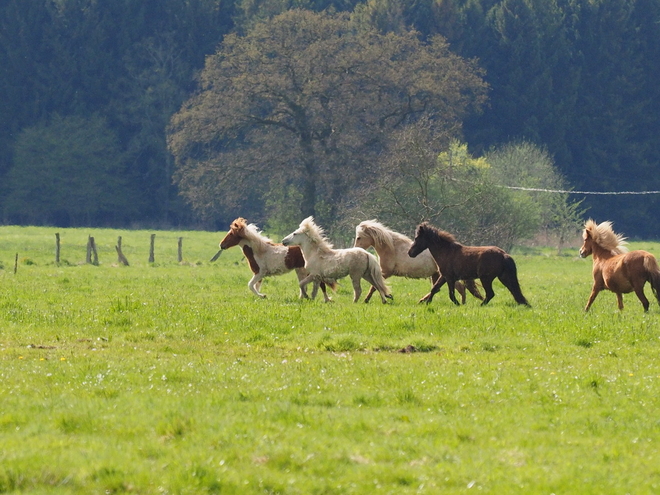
<point>267,258</point>
<point>458,262</point>
<point>392,249</point>
<point>324,263</point>
<point>615,268</point>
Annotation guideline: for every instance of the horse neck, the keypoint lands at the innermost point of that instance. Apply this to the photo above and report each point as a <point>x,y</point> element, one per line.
<point>258,244</point>
<point>600,253</point>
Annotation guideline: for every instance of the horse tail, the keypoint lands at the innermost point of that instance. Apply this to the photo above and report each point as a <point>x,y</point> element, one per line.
<point>376,274</point>
<point>509,278</point>
<point>653,275</point>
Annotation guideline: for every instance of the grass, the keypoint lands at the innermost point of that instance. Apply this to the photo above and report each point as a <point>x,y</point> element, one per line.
<point>173,378</point>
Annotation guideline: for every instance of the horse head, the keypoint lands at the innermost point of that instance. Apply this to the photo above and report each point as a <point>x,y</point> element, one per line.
<point>420,243</point>
<point>362,238</point>
<point>603,236</point>
<point>307,233</point>
<point>234,235</point>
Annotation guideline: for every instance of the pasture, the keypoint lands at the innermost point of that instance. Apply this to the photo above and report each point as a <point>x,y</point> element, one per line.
<point>174,378</point>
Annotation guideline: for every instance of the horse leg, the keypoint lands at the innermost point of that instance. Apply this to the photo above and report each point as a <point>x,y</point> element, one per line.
<point>461,290</point>
<point>451,284</point>
<point>619,300</point>
<point>255,283</point>
<point>639,290</point>
<point>372,289</point>
<point>487,284</point>
<point>594,292</point>
<point>474,290</point>
<point>436,287</point>
<point>357,288</point>
<point>301,273</point>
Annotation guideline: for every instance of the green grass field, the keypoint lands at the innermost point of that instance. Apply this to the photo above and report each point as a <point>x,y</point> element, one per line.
<point>173,378</point>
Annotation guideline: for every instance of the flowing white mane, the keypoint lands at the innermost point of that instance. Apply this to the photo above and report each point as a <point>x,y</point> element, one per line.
<point>380,234</point>
<point>603,234</point>
<point>314,233</point>
<point>253,234</point>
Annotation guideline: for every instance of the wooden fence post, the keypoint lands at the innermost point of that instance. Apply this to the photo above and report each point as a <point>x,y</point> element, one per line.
<point>180,250</point>
<point>88,258</point>
<point>57,248</point>
<point>120,256</point>
<point>16,264</point>
<point>151,248</point>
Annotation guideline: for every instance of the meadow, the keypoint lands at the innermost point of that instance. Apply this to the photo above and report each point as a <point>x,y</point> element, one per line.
<point>171,377</point>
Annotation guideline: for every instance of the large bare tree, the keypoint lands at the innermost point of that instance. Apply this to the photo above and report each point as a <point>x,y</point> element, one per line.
<point>306,100</point>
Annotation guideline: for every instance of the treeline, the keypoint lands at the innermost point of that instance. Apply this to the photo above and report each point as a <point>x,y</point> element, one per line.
<point>89,89</point>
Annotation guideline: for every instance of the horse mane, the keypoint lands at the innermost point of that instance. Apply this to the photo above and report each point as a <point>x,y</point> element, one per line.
<point>436,235</point>
<point>379,233</point>
<point>315,233</point>
<point>249,232</point>
<point>603,235</point>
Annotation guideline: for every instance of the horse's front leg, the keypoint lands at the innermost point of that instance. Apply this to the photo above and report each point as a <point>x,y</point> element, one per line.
<point>451,284</point>
<point>303,288</point>
<point>594,292</point>
<point>436,287</point>
<point>255,283</point>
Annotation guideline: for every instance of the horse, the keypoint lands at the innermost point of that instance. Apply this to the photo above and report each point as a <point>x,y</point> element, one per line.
<point>458,262</point>
<point>267,258</point>
<point>323,262</point>
<point>615,268</point>
<point>392,249</point>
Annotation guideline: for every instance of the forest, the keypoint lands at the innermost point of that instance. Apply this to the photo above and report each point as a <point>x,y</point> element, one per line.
<point>133,112</point>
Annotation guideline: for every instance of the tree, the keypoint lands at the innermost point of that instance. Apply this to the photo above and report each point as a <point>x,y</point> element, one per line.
<point>68,172</point>
<point>307,100</point>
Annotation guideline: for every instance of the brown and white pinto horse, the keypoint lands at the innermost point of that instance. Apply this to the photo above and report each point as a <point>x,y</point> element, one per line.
<point>392,249</point>
<point>615,268</point>
<point>267,258</point>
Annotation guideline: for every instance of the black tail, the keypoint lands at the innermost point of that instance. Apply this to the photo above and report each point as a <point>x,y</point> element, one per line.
<point>509,278</point>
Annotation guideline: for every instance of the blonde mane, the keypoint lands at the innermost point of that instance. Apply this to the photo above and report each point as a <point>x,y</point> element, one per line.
<point>380,234</point>
<point>315,233</point>
<point>603,235</point>
<point>249,232</point>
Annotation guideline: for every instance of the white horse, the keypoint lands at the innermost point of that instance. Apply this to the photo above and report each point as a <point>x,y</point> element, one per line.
<point>267,258</point>
<point>392,249</point>
<point>325,263</point>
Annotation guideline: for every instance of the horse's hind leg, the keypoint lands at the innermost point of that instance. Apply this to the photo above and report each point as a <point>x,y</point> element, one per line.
<point>461,290</point>
<point>619,300</point>
<point>372,289</point>
<point>488,289</point>
<point>639,290</point>
<point>471,286</point>
<point>357,288</point>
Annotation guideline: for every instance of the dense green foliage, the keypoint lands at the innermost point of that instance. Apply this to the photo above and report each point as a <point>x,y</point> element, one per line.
<point>577,77</point>
<point>174,378</point>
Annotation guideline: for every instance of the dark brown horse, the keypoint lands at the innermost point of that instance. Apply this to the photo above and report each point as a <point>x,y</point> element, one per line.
<point>615,268</point>
<point>458,262</point>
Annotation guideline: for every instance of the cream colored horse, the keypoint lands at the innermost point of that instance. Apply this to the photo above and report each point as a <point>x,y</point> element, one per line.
<point>323,262</point>
<point>392,249</point>
<point>267,258</point>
